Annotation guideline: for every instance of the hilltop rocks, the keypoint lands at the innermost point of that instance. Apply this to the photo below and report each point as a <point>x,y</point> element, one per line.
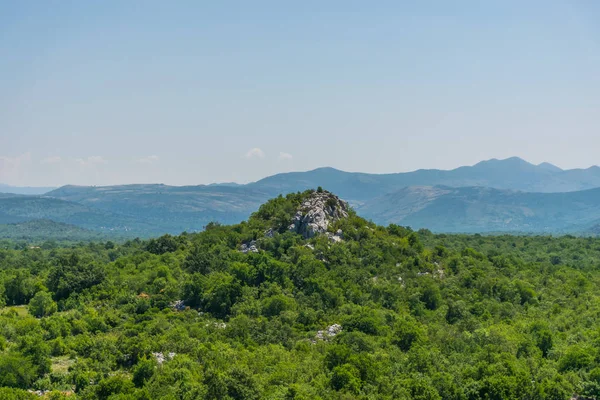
<point>316,214</point>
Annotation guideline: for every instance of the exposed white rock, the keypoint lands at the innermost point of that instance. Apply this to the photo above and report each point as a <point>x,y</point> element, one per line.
<point>178,305</point>
<point>249,247</point>
<point>328,333</point>
<point>161,358</point>
<point>218,325</point>
<point>334,238</point>
<point>401,281</point>
<point>316,214</point>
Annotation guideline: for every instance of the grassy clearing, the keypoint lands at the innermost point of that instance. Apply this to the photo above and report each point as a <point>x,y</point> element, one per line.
<point>60,365</point>
<point>22,311</point>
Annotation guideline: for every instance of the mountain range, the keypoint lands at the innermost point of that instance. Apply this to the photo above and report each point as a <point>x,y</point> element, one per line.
<point>512,173</point>
<point>508,195</point>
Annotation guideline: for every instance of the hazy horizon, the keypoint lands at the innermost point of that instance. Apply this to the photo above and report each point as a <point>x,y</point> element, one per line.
<point>297,171</point>
<point>188,93</point>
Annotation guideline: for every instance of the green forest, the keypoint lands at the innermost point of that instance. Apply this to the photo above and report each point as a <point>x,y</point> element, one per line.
<point>385,313</point>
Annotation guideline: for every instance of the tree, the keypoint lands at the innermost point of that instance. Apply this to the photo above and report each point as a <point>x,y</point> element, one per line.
<point>162,245</point>
<point>21,287</point>
<point>16,371</point>
<point>143,371</point>
<point>70,278</point>
<point>431,295</point>
<point>406,334</point>
<point>346,377</point>
<point>199,260</point>
<point>544,341</point>
<point>42,305</point>
<point>575,358</point>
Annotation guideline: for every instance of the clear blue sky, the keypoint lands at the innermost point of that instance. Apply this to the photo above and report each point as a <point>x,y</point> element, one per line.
<point>189,92</point>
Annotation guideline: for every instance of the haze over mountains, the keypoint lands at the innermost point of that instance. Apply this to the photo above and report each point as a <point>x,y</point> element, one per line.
<point>509,195</point>
<point>512,173</point>
<point>24,189</point>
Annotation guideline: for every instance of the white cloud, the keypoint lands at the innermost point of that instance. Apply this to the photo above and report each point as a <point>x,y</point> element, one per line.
<point>255,153</point>
<point>92,160</point>
<point>284,156</point>
<point>11,168</point>
<point>51,160</point>
<point>147,160</point>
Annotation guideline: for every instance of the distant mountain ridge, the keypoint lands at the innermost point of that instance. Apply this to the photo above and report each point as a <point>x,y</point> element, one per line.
<point>512,173</point>
<point>490,196</point>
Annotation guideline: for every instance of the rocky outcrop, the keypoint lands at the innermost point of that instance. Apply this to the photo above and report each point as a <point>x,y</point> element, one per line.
<point>161,358</point>
<point>178,305</point>
<point>328,333</point>
<point>317,212</point>
<point>249,247</point>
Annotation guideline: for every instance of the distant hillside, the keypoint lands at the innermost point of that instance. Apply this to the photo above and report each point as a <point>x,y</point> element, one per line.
<point>41,230</point>
<point>24,189</point>
<point>513,173</point>
<point>491,196</point>
<point>17,209</point>
<point>169,209</point>
<point>475,209</point>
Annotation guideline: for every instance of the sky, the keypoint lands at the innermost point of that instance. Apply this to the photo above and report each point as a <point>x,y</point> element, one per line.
<point>193,92</point>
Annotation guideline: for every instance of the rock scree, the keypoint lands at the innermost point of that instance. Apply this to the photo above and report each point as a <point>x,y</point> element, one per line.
<point>317,212</point>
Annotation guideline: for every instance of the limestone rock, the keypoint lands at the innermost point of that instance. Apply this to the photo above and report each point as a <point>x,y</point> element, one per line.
<point>249,247</point>
<point>178,305</point>
<point>161,358</point>
<point>328,333</point>
<point>317,213</point>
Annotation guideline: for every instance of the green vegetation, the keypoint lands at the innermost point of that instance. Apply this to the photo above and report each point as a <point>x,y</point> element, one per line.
<point>387,313</point>
<point>41,230</point>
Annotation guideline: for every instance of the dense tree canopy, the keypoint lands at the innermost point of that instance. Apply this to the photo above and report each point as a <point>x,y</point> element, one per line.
<point>387,313</point>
